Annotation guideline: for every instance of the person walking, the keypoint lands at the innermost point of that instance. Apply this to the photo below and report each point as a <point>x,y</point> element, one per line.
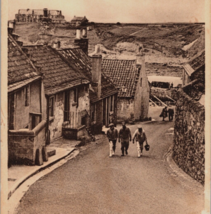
<point>164,113</point>
<point>171,114</point>
<point>125,138</point>
<point>140,136</point>
<point>112,135</point>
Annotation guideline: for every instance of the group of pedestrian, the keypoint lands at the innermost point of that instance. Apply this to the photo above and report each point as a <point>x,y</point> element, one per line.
<point>124,136</point>
<point>167,113</point>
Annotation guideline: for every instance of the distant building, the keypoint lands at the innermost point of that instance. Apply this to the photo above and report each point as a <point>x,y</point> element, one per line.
<point>37,15</point>
<point>26,108</point>
<point>79,21</point>
<point>130,78</point>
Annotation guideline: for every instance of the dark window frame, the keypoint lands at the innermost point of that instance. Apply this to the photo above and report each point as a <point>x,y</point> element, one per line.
<point>51,106</point>
<point>27,95</point>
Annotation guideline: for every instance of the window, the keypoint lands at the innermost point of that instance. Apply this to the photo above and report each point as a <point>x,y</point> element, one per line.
<point>67,106</point>
<point>75,99</point>
<point>35,119</point>
<point>26,95</point>
<point>11,110</point>
<point>75,95</point>
<point>51,106</point>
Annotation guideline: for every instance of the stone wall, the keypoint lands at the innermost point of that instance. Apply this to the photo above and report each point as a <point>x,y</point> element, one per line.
<point>21,114</point>
<point>76,111</point>
<point>22,145</point>
<point>125,107</point>
<point>189,136</point>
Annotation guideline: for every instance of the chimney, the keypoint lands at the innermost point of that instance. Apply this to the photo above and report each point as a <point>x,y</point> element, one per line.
<point>96,73</point>
<point>81,42</point>
<point>140,62</point>
<point>78,33</point>
<point>59,44</point>
<point>140,58</point>
<point>14,26</point>
<point>56,45</point>
<point>84,32</point>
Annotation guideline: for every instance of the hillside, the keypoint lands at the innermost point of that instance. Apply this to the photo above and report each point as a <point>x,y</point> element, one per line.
<point>164,45</point>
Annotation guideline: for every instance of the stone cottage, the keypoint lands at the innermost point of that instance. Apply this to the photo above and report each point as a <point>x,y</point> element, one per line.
<point>66,91</point>
<point>130,78</point>
<point>102,93</point>
<point>26,108</point>
<point>195,65</point>
<point>189,133</point>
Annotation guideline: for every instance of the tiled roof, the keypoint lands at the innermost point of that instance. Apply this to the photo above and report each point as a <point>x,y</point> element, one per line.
<point>195,63</point>
<point>77,58</point>
<point>124,74</point>
<point>58,75</point>
<point>20,68</point>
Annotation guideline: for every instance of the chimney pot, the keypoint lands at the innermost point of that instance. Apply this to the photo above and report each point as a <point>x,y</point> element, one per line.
<point>96,73</point>
<point>97,49</point>
<point>59,44</point>
<point>78,33</point>
<point>84,32</point>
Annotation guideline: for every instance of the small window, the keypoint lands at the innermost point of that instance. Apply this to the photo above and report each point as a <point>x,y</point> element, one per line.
<point>26,95</point>
<point>51,106</point>
<point>76,95</point>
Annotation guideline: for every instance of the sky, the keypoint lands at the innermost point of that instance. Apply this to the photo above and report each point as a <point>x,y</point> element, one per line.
<point>125,11</point>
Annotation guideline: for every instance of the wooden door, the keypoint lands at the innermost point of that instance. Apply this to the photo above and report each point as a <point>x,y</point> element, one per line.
<point>67,106</point>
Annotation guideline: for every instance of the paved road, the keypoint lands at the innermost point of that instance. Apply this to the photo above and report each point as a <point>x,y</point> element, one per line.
<point>93,183</point>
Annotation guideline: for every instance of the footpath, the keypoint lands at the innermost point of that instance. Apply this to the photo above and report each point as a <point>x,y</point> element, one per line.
<point>18,174</point>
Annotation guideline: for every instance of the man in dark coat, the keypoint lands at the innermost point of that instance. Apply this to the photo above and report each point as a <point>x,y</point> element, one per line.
<point>125,138</point>
<point>171,114</point>
<point>164,113</point>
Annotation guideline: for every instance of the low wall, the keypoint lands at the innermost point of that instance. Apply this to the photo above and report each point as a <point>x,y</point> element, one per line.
<point>189,136</point>
<point>74,133</point>
<point>22,144</point>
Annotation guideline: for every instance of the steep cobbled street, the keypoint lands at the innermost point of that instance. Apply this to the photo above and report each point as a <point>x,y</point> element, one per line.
<point>94,183</point>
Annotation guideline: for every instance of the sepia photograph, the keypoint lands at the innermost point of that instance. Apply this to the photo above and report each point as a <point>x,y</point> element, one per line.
<point>104,109</point>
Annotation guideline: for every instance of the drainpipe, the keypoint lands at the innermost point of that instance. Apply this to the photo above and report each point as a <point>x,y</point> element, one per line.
<point>47,124</point>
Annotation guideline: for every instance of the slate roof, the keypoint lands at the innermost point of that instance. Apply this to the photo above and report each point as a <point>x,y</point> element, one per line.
<point>21,70</point>
<point>77,58</point>
<point>195,63</point>
<point>58,75</point>
<point>124,73</point>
